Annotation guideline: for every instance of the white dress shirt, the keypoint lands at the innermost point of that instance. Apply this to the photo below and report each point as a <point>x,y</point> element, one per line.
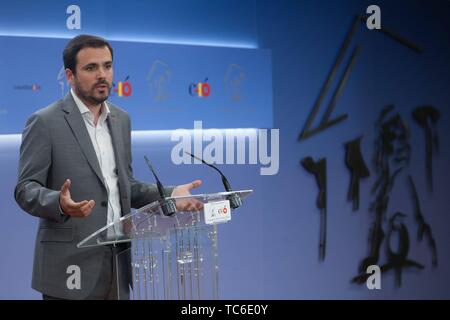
<point>102,142</point>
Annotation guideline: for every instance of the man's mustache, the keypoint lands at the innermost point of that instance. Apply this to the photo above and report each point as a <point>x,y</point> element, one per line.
<point>102,82</point>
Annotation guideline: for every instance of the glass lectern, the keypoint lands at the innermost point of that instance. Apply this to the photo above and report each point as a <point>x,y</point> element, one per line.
<point>169,257</point>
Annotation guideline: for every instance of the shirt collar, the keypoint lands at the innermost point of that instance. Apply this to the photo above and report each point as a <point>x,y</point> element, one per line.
<point>84,109</point>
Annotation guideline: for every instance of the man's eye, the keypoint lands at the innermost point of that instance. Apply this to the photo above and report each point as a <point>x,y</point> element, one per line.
<point>109,66</point>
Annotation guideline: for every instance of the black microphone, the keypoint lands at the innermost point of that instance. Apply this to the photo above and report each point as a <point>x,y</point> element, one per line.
<point>167,204</point>
<point>235,200</point>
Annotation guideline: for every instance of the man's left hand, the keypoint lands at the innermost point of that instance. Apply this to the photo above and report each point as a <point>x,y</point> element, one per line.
<point>188,204</point>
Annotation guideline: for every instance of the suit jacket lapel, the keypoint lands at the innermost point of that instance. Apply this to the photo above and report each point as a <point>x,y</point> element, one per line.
<point>117,143</point>
<point>115,134</point>
<point>76,123</point>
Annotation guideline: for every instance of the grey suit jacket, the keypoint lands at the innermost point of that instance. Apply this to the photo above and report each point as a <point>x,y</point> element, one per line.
<point>56,146</point>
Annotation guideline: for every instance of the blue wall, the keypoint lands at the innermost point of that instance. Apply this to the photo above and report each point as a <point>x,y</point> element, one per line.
<point>384,73</point>
<point>270,249</point>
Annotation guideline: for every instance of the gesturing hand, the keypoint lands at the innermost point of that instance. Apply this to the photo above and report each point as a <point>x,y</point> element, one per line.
<point>72,208</point>
<point>188,204</point>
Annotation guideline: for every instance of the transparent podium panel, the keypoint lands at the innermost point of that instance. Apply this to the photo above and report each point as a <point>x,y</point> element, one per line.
<point>166,257</point>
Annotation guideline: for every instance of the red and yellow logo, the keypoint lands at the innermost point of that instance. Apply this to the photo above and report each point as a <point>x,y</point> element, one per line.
<point>123,88</point>
<point>201,89</point>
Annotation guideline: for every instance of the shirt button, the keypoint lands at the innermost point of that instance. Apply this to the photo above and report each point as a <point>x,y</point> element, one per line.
<point>103,204</point>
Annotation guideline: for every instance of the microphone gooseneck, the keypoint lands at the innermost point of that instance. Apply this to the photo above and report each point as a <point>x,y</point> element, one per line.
<point>167,204</point>
<point>235,200</point>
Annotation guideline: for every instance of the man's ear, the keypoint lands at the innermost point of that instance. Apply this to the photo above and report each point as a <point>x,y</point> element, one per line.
<point>70,76</point>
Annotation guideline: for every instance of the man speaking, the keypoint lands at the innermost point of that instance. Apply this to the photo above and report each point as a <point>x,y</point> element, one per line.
<point>75,174</point>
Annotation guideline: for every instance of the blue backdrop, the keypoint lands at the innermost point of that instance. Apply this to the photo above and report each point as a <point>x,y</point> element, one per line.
<point>161,86</point>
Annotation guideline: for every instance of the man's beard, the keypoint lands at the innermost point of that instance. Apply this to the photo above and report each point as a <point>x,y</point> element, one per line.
<point>89,95</point>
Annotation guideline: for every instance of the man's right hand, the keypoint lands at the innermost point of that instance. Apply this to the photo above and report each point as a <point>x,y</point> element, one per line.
<point>71,208</point>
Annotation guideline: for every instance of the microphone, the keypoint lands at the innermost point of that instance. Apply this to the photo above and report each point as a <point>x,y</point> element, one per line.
<point>167,204</point>
<point>235,200</point>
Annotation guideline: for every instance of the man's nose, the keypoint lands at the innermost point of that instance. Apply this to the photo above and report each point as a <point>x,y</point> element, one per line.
<point>101,74</point>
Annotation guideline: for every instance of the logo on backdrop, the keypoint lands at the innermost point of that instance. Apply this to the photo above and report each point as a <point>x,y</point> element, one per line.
<point>32,87</point>
<point>123,88</point>
<point>61,78</point>
<point>158,79</point>
<point>74,20</point>
<point>200,89</point>
<point>233,82</point>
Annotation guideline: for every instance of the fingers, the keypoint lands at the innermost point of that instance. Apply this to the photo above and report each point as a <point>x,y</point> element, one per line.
<point>195,184</point>
<point>79,209</point>
<point>195,205</point>
<point>72,208</point>
<point>65,187</point>
<point>183,190</point>
<point>199,205</point>
<point>189,205</point>
<point>76,205</point>
<point>87,208</point>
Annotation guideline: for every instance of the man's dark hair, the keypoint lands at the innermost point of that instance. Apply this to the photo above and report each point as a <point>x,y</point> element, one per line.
<point>79,42</point>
